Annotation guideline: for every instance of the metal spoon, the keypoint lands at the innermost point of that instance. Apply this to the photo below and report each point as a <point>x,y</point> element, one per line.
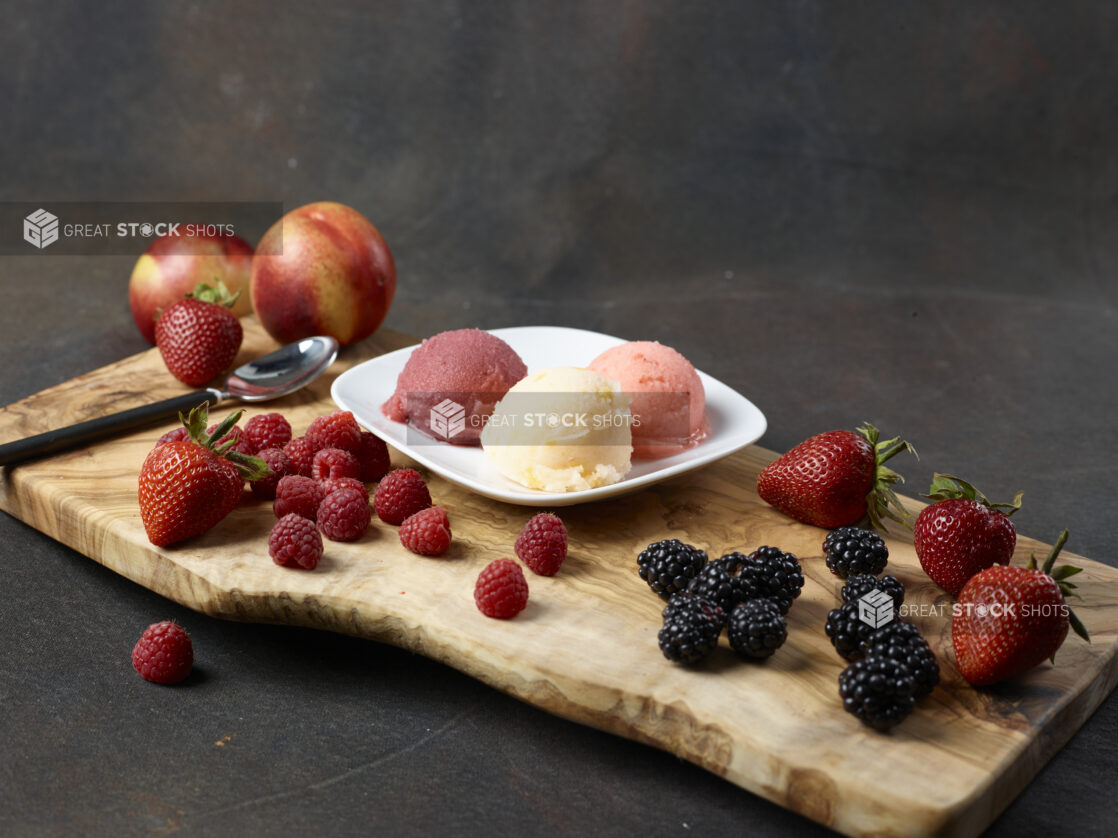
<point>268,377</point>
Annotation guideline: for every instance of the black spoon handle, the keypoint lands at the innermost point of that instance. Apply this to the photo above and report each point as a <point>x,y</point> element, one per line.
<point>63,439</point>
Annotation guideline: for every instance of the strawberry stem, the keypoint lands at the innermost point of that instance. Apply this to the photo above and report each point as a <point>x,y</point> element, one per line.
<point>882,502</point>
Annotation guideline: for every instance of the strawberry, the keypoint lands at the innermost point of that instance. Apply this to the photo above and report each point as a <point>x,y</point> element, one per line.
<point>188,485</point>
<point>962,532</point>
<point>836,478</point>
<point>1009,619</point>
<point>199,336</point>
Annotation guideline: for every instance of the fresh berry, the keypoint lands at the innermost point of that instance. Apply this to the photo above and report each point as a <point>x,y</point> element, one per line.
<point>962,533</point>
<point>186,487</point>
<point>726,581</point>
<point>335,430</point>
<point>835,478</point>
<point>295,542</point>
<point>298,494</point>
<point>173,436</point>
<point>427,532</point>
<point>902,642</point>
<point>399,494</point>
<point>756,628</point>
<point>1009,619</point>
<point>301,453</point>
<point>373,456</point>
<point>847,631</point>
<point>879,691</point>
<point>334,462</point>
<point>235,440</point>
<point>164,653</point>
<point>265,487</point>
<point>691,627</point>
<point>669,566</point>
<point>199,336</point>
<point>542,544</point>
<point>501,590</point>
<point>776,575</point>
<point>344,515</point>
<point>332,484</point>
<point>850,550</point>
<point>859,585</point>
<point>268,430</point>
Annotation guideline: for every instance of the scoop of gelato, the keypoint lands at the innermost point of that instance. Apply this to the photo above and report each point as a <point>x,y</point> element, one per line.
<point>451,382</point>
<point>668,399</point>
<point>561,429</point>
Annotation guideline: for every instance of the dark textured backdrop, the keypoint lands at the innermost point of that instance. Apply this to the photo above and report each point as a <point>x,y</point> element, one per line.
<point>900,212</point>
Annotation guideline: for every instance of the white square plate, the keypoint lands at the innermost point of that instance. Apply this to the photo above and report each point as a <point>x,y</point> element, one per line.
<point>735,422</point>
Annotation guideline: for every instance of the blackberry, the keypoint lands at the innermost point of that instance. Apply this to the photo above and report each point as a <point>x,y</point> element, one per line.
<point>667,566</point>
<point>776,575</point>
<point>727,581</point>
<point>691,628</point>
<point>878,690</point>
<point>901,642</point>
<point>849,634</point>
<point>756,628</point>
<point>851,550</point>
<point>860,584</point>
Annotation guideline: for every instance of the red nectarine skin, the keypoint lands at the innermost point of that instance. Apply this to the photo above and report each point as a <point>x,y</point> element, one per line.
<point>173,265</point>
<point>322,269</point>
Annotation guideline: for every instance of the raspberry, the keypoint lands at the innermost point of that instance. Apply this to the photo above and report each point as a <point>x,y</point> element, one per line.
<point>268,430</point>
<point>542,544</point>
<point>265,487</point>
<point>298,494</point>
<point>164,653</point>
<point>179,433</point>
<point>427,532</point>
<point>240,441</point>
<point>399,494</point>
<point>501,590</point>
<point>344,515</point>
<point>334,462</point>
<point>373,456</point>
<point>301,453</point>
<point>332,484</point>
<point>335,430</point>
<point>295,542</point>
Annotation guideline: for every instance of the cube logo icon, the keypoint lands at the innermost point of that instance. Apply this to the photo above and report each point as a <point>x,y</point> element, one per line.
<point>448,418</point>
<point>40,228</point>
<point>875,608</point>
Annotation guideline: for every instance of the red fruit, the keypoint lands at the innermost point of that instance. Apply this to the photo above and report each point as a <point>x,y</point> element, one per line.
<point>501,590</point>
<point>334,462</point>
<point>400,494</point>
<point>427,532</point>
<point>173,436</point>
<point>1009,619</point>
<point>164,653</point>
<point>186,487</point>
<point>295,542</point>
<point>335,430</point>
<point>962,533</point>
<point>197,337</point>
<point>542,544</point>
<point>344,515</point>
<point>268,430</point>
<point>298,494</point>
<point>301,453</point>
<point>373,456</point>
<point>265,487</point>
<point>835,478</point>
<point>333,484</point>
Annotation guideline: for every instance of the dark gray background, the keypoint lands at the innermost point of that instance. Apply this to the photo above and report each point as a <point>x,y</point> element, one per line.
<point>900,212</point>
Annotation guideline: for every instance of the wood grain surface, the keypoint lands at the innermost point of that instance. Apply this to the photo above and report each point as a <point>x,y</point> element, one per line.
<point>585,648</point>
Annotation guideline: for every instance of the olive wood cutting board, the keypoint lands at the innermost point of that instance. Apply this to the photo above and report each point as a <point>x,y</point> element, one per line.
<point>585,648</point>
